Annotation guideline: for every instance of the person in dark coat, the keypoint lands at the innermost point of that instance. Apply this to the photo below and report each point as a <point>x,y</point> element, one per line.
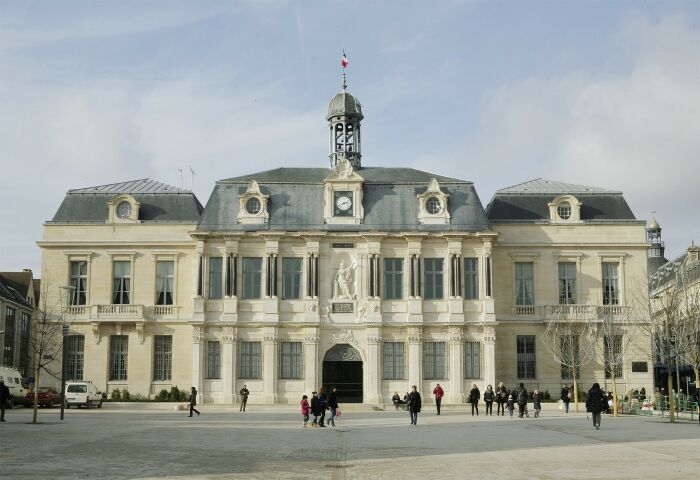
<point>414,404</point>
<point>323,404</point>
<point>332,402</point>
<point>566,397</point>
<point>244,398</point>
<point>489,396</point>
<point>511,401</point>
<point>596,403</point>
<point>537,402</point>
<point>501,399</point>
<point>474,397</point>
<point>396,400</point>
<point>315,409</point>
<point>522,400</point>
<point>193,401</point>
<point>4,399</point>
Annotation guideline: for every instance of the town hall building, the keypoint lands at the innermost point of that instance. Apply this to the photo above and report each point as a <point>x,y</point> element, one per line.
<point>368,278</point>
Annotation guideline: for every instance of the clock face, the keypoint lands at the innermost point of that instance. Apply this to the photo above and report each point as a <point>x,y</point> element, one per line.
<point>343,203</point>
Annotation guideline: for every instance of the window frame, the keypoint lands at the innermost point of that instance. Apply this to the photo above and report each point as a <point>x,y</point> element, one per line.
<point>121,295</point>
<point>250,362</point>
<point>470,354</point>
<point>213,362</point>
<point>292,278</point>
<point>392,278</point>
<point>471,278</point>
<point>611,296</point>
<point>168,279</point>
<point>436,290</point>
<point>118,358</point>
<point>393,362</point>
<point>163,359</point>
<point>215,277</point>
<point>75,357</point>
<point>435,366</point>
<point>520,283</point>
<point>567,282</point>
<point>246,277</point>
<point>294,369</point>
<point>526,365</point>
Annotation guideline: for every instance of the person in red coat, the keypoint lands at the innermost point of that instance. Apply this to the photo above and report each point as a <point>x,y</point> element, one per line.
<point>439,393</point>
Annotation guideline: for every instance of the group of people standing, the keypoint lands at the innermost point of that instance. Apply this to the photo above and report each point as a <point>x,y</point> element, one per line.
<point>316,408</point>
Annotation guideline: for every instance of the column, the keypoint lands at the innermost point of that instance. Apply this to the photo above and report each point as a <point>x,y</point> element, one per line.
<point>228,365</point>
<point>456,345</point>
<point>269,365</point>
<point>197,358</point>
<point>489,355</point>
<point>311,381</point>
<point>415,359</point>
<point>374,367</point>
<point>271,302</point>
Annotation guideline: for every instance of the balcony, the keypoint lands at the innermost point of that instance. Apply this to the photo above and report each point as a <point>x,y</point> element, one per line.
<point>122,312</point>
<point>108,312</point>
<point>568,312</point>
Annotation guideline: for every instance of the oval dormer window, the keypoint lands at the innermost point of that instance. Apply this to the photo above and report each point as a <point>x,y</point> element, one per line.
<point>564,210</point>
<point>433,205</point>
<point>124,210</point>
<point>253,206</point>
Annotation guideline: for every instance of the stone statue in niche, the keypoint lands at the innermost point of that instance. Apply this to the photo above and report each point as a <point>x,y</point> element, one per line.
<point>344,281</point>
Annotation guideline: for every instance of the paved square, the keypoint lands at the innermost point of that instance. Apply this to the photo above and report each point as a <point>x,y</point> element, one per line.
<point>269,442</point>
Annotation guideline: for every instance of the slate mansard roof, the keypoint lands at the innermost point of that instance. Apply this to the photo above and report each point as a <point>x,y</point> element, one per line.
<point>160,202</point>
<point>527,202</point>
<point>389,199</point>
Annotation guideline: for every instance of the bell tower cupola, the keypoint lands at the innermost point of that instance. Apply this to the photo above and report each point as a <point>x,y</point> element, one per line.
<point>344,117</point>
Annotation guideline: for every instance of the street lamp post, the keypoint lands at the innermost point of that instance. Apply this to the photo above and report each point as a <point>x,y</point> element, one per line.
<point>64,331</point>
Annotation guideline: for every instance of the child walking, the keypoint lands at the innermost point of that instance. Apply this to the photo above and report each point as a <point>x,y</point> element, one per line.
<point>537,402</point>
<point>511,402</point>
<point>305,409</point>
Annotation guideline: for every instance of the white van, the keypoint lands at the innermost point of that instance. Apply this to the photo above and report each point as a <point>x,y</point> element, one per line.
<point>13,380</point>
<point>82,393</point>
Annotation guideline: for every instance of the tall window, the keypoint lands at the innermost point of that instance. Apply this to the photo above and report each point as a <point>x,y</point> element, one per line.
<point>213,359</point>
<point>251,360</point>
<point>78,283</point>
<point>291,278</point>
<point>162,357</point>
<point>216,270</point>
<point>165,279</point>
<point>25,325</point>
<point>526,356</point>
<point>567,283</point>
<point>394,361</point>
<point>471,279</point>
<point>290,360</point>
<point>393,278</point>
<point>75,353</point>
<point>122,282</point>
<point>118,356</point>
<point>472,360</point>
<point>524,294</point>
<point>610,289</point>
<point>9,353</point>
<point>433,278</point>
<point>612,344</point>
<point>252,277</point>
<point>569,351</point>
<point>434,361</point>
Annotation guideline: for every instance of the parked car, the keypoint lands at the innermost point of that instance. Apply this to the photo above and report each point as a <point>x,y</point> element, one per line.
<point>13,380</point>
<point>48,397</point>
<point>82,394</point>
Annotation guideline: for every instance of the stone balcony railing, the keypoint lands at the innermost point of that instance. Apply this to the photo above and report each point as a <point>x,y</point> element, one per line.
<point>570,311</point>
<point>122,312</point>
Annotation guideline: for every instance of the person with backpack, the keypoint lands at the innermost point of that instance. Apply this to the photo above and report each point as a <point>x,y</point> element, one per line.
<point>522,400</point>
<point>414,404</point>
<point>489,396</point>
<point>566,397</point>
<point>474,397</point>
<point>596,403</point>
<point>501,399</point>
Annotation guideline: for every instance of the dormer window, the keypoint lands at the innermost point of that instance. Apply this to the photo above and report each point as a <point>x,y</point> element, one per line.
<point>124,210</point>
<point>253,205</point>
<point>564,210</point>
<point>432,205</point>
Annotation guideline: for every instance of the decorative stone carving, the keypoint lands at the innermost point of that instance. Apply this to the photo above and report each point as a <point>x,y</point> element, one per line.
<point>374,339</point>
<point>456,335</point>
<point>139,331</point>
<point>374,308</point>
<point>197,335</point>
<point>311,340</point>
<point>346,337</point>
<point>229,335</point>
<point>344,285</point>
<point>95,326</point>
<point>414,335</point>
<point>257,210</point>
<point>269,339</point>
<point>432,205</point>
<point>311,307</point>
<point>343,169</point>
<point>324,313</point>
<point>362,311</point>
<point>342,353</point>
<point>489,335</point>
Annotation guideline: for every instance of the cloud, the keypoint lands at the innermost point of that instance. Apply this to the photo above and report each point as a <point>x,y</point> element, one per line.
<point>635,130</point>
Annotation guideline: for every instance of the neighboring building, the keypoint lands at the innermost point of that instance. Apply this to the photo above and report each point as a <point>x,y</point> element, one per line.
<point>17,305</point>
<point>372,279</point>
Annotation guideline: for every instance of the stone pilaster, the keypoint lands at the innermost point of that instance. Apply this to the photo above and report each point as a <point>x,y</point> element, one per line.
<point>456,373</point>
<point>414,338</point>
<point>311,360</point>
<point>229,365</point>
<point>270,368</point>
<point>489,355</point>
<point>197,357</point>
<point>374,366</point>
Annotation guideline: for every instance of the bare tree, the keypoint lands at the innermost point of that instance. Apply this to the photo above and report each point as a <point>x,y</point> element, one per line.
<point>46,342</point>
<point>569,337</point>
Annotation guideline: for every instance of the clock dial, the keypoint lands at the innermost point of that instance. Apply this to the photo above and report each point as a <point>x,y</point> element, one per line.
<point>343,203</point>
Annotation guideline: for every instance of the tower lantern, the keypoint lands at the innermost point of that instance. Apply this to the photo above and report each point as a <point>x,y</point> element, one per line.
<point>344,117</point>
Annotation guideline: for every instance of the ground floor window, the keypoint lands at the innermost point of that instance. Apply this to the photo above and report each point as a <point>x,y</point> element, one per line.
<point>434,361</point>
<point>162,357</point>
<point>213,359</point>
<point>394,361</point>
<point>472,360</point>
<point>118,356</point>
<point>75,352</point>
<point>290,360</point>
<point>526,356</point>
<point>250,360</point>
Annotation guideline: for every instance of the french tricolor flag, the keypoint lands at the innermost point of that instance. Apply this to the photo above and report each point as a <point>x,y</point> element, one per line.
<point>344,60</point>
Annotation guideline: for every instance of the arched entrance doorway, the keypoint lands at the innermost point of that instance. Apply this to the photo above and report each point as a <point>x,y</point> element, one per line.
<point>342,367</point>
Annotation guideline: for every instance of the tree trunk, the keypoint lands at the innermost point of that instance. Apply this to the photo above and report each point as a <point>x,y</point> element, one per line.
<point>614,385</point>
<point>575,373</point>
<point>670,394</point>
<point>35,413</point>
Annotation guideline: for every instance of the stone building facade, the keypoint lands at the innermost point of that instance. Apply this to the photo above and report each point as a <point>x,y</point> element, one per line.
<point>372,279</point>
<point>18,301</point>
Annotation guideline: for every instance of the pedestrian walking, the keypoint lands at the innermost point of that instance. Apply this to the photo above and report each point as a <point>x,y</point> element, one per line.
<point>305,408</point>
<point>323,405</point>
<point>332,402</point>
<point>474,397</point>
<point>522,400</point>
<point>537,402</point>
<point>4,399</point>
<point>566,397</point>
<point>501,399</point>
<point>414,404</point>
<point>193,401</point>
<point>511,402</point>
<point>244,398</point>
<point>596,403</point>
<point>489,396</point>
<point>315,409</point>
<point>439,393</point>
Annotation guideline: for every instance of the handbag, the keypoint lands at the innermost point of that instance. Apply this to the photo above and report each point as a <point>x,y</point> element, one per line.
<point>338,412</point>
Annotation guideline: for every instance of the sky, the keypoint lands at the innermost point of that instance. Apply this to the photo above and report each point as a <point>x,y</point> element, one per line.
<point>602,93</point>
